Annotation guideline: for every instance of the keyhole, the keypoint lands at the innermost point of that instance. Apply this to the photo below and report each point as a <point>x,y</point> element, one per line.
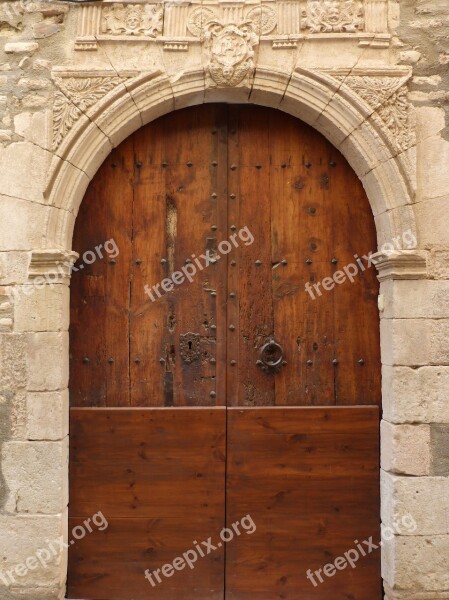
<point>190,345</point>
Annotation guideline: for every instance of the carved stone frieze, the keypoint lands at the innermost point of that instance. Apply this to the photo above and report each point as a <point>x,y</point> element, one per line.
<point>282,23</point>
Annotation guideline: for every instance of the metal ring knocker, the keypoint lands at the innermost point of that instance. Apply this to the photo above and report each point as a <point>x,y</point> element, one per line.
<point>271,357</point>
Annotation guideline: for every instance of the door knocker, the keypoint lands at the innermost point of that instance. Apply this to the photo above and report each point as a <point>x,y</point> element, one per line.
<point>271,357</point>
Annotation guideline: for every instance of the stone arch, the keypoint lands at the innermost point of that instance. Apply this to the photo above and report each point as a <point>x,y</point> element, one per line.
<point>317,98</point>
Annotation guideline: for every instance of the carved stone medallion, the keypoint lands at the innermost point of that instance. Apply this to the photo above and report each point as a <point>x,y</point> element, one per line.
<point>230,49</point>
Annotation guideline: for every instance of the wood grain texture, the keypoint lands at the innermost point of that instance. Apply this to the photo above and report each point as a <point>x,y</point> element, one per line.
<point>158,477</point>
<point>309,479</point>
<point>99,316</point>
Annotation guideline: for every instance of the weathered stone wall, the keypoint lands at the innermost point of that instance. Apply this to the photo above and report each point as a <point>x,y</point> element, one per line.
<point>74,83</point>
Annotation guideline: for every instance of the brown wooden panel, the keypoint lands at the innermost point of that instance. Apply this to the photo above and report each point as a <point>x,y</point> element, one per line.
<point>177,218</point>
<point>303,204</point>
<point>111,565</point>
<point>302,235</point>
<point>158,477</point>
<point>309,479</point>
<point>251,311</point>
<point>99,315</point>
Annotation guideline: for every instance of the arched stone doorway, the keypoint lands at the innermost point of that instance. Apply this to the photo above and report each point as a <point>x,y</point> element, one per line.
<point>253,347</point>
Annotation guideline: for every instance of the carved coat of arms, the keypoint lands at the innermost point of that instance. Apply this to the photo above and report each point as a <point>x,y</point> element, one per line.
<point>231,51</point>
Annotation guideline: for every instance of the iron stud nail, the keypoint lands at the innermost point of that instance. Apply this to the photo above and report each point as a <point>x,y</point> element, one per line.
<point>139,164</point>
<point>232,295</point>
<point>137,360</point>
<point>212,394</point>
<point>163,261</point>
<point>214,163</point>
<point>312,210</point>
<point>233,263</point>
<point>334,261</point>
<point>138,261</point>
<point>259,362</point>
<point>232,327</point>
<point>284,362</point>
<point>308,165</point>
<point>110,361</point>
<point>284,262</point>
<point>309,363</point>
<point>258,166</point>
<point>213,293</point>
<point>112,261</point>
<point>258,263</point>
<point>214,327</point>
<point>361,362</point>
<point>189,163</point>
<point>85,360</point>
<point>335,362</point>
<point>164,164</point>
<point>213,227</point>
<point>233,167</point>
<point>187,261</point>
<point>214,195</point>
<point>162,361</point>
<point>113,165</point>
<point>332,163</point>
<point>233,228</point>
<point>232,196</point>
<point>214,131</point>
<point>233,363</point>
<point>283,165</point>
<point>213,361</point>
<point>309,261</point>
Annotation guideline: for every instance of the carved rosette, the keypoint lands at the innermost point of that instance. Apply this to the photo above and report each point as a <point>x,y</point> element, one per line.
<point>387,96</point>
<point>333,16</point>
<point>73,97</point>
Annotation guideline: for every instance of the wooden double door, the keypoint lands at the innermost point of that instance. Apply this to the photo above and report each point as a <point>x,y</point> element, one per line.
<point>220,384</point>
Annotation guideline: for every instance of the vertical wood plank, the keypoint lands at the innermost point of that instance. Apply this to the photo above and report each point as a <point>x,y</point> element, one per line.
<point>249,176</point>
<point>99,315</point>
<point>189,225</point>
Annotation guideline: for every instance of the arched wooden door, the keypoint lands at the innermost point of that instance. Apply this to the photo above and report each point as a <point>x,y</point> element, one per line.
<point>225,368</point>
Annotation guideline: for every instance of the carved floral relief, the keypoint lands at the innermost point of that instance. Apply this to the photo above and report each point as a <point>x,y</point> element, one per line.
<point>74,96</point>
